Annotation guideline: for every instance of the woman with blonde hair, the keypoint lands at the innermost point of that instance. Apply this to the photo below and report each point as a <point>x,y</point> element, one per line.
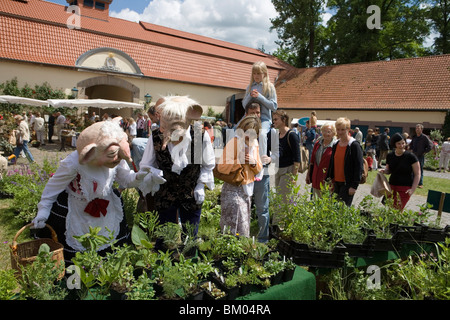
<point>346,164</point>
<point>241,151</point>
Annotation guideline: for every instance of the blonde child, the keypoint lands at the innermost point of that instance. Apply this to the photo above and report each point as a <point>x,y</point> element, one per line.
<point>313,120</point>
<point>262,91</point>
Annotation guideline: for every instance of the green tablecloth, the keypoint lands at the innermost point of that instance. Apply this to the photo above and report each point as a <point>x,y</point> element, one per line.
<point>406,250</point>
<point>301,287</point>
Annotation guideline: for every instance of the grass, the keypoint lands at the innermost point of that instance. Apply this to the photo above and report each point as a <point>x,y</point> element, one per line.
<point>9,226</point>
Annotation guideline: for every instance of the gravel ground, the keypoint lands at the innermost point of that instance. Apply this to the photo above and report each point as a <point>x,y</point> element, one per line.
<point>52,151</point>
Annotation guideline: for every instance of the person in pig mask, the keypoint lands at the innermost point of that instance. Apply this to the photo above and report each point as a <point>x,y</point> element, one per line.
<point>80,194</point>
<point>183,156</point>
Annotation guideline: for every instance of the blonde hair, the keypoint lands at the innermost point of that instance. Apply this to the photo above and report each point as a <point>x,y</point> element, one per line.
<point>268,88</point>
<point>251,122</point>
<point>345,122</point>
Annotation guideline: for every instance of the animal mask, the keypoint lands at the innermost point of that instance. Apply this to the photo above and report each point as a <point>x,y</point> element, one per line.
<point>97,142</point>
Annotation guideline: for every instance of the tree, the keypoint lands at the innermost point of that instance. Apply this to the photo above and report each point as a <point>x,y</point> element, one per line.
<point>439,14</point>
<point>446,126</point>
<point>348,36</point>
<point>402,33</point>
<point>298,25</point>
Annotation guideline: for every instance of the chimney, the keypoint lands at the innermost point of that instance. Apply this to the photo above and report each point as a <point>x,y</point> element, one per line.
<point>97,9</point>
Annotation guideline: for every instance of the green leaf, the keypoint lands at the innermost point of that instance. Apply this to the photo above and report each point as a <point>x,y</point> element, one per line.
<point>139,237</point>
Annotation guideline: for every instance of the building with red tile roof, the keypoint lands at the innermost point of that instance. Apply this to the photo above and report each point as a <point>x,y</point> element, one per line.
<point>111,58</point>
<point>397,94</point>
<point>86,48</point>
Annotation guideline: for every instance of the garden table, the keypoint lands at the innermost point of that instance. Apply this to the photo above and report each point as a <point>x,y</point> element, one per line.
<point>301,287</point>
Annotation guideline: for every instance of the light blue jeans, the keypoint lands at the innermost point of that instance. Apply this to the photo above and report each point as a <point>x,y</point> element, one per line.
<point>25,149</point>
<point>261,197</point>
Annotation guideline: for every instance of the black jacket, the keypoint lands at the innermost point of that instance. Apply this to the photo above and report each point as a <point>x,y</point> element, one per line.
<point>353,164</point>
<point>421,145</point>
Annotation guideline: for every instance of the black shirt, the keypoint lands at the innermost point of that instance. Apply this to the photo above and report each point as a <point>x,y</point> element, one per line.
<point>401,168</point>
<point>289,150</point>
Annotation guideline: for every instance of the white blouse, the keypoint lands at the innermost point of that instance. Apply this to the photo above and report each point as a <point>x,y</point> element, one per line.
<point>95,182</point>
<point>181,159</point>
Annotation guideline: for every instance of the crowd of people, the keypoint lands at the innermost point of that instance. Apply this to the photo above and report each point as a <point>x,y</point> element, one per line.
<point>169,155</point>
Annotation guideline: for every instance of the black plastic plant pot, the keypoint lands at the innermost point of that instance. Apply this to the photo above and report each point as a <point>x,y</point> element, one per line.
<point>363,250</point>
<point>277,278</point>
<point>231,292</point>
<point>288,275</point>
<point>383,244</point>
<point>321,259</point>
<point>435,234</point>
<point>408,235</point>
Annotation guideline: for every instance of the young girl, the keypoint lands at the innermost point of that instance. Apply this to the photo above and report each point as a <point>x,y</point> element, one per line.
<point>262,91</point>
<point>242,150</point>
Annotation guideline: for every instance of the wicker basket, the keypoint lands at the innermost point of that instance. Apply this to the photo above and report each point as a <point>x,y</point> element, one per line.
<point>25,253</point>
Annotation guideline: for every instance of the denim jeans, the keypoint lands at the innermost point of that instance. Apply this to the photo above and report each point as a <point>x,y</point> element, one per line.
<point>25,149</point>
<point>261,198</point>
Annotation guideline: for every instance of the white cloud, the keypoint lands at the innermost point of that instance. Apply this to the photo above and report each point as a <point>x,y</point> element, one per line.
<point>245,22</point>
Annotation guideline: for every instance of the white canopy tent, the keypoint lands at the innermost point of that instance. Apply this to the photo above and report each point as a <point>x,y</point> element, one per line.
<point>94,103</point>
<point>22,100</point>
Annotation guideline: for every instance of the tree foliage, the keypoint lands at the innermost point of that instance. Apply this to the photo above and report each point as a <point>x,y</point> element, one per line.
<point>347,37</point>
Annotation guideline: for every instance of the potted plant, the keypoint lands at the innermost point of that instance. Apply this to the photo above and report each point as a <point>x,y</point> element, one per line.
<point>213,291</point>
<point>39,280</point>
<point>275,267</point>
<point>141,289</point>
<point>289,269</point>
<point>170,233</point>
<point>229,283</point>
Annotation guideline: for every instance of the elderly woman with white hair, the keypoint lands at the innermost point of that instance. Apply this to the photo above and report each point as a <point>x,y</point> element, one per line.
<point>320,158</point>
<point>80,194</point>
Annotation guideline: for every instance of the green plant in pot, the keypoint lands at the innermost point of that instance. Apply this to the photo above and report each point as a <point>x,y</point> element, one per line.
<point>170,233</point>
<point>115,274</point>
<point>40,280</point>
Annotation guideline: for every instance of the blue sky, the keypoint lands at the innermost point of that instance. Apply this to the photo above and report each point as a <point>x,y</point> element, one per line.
<point>118,5</point>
